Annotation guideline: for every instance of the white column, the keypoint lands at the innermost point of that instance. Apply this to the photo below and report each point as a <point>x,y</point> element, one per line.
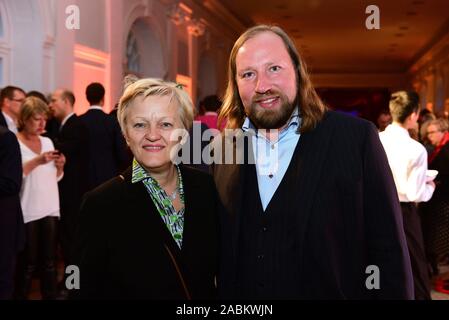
<point>430,93</point>
<point>172,49</point>
<point>195,29</point>
<point>65,44</point>
<point>445,73</point>
<point>115,47</point>
<point>193,64</point>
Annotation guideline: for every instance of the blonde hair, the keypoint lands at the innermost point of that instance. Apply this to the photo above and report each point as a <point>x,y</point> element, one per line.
<point>30,107</point>
<point>402,104</point>
<point>154,87</point>
<point>312,109</point>
<point>441,123</point>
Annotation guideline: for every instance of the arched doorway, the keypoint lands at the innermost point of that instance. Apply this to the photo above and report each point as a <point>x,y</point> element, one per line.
<point>144,53</point>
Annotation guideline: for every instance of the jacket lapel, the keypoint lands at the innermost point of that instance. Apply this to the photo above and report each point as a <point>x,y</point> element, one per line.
<point>141,204</point>
<point>313,148</point>
<point>230,179</point>
<point>192,198</point>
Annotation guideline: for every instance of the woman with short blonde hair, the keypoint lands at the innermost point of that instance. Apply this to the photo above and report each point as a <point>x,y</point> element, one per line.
<point>152,232</point>
<point>42,169</point>
<point>155,87</point>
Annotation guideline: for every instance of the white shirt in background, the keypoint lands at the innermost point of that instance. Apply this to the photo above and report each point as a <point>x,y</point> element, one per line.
<point>96,108</point>
<point>10,123</point>
<point>39,195</point>
<point>408,162</point>
<point>65,120</point>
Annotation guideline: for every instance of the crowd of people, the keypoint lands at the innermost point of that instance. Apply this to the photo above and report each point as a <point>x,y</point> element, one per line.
<point>330,199</point>
<point>420,164</point>
<point>62,157</point>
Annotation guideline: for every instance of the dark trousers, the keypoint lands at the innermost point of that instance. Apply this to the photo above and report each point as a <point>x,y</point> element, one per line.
<point>7,263</point>
<point>40,251</point>
<point>67,230</point>
<point>415,243</point>
<point>67,233</point>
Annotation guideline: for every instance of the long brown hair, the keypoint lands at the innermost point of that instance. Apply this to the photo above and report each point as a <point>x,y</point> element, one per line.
<point>311,107</point>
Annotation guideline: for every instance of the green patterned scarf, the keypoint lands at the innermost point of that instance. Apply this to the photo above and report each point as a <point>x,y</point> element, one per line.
<point>172,219</point>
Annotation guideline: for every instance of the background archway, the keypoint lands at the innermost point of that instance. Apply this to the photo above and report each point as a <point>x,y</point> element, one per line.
<point>144,53</point>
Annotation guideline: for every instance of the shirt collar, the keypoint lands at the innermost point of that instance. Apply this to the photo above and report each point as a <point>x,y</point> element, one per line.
<point>294,121</point>
<point>96,108</point>
<point>9,121</point>
<point>139,173</point>
<point>66,118</point>
<point>395,128</point>
<point>7,117</point>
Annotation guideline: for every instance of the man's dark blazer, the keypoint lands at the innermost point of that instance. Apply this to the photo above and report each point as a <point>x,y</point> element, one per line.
<point>125,250</point>
<point>104,158</point>
<point>12,235</point>
<point>73,142</point>
<point>3,120</point>
<point>52,129</point>
<point>348,212</point>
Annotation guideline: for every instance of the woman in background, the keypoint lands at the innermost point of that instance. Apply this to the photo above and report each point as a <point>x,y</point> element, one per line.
<point>435,213</point>
<point>39,197</point>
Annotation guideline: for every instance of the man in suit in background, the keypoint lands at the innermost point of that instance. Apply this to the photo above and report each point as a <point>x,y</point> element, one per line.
<point>124,154</point>
<point>312,213</point>
<point>104,156</point>
<point>72,141</point>
<point>11,99</point>
<point>12,235</point>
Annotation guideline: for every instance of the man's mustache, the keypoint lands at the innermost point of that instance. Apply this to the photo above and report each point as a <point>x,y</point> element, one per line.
<point>265,95</point>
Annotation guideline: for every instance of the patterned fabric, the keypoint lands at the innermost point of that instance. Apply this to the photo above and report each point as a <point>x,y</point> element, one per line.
<point>172,219</point>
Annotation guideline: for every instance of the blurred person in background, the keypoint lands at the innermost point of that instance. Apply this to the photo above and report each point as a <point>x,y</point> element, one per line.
<point>12,235</point>
<point>408,162</point>
<point>52,126</point>
<point>435,213</point>
<point>425,116</point>
<point>11,99</point>
<point>42,168</point>
<point>72,140</point>
<point>383,120</point>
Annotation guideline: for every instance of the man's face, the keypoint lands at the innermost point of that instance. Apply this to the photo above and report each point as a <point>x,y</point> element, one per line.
<point>12,106</point>
<point>58,105</point>
<point>434,134</point>
<point>383,121</point>
<point>266,80</point>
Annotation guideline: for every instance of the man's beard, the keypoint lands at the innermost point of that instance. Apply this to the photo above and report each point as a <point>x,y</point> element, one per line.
<point>271,118</point>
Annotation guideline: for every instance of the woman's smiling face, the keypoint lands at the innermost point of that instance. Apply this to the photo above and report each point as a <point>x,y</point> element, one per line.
<point>150,131</point>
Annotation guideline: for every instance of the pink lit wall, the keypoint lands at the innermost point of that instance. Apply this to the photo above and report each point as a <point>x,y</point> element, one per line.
<point>90,65</point>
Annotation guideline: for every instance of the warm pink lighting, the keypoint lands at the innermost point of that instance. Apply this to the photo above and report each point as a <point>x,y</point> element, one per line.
<point>90,65</point>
